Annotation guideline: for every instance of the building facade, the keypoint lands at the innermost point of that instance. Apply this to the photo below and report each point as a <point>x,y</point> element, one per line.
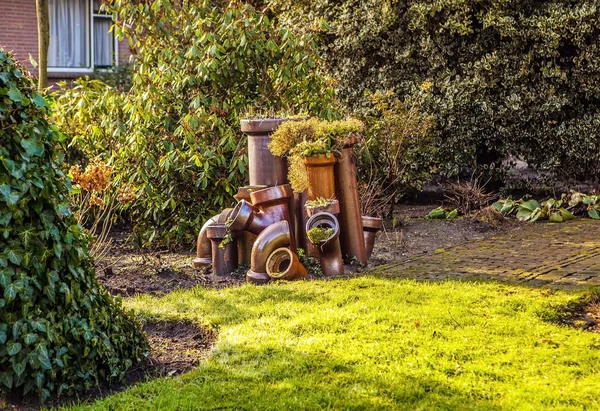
<point>80,37</point>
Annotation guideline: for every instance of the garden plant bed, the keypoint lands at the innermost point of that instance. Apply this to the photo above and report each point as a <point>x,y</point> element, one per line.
<point>128,271</point>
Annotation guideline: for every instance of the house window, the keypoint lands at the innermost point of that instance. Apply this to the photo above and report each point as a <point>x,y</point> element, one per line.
<point>79,36</point>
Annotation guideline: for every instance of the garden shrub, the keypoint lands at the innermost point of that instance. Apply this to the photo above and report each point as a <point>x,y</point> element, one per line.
<point>175,135</point>
<point>509,77</point>
<point>400,155</point>
<point>60,331</point>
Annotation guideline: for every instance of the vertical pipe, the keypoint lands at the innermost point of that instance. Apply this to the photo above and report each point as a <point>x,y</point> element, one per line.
<point>263,167</point>
<point>224,258</point>
<point>351,229</point>
<point>321,181</point>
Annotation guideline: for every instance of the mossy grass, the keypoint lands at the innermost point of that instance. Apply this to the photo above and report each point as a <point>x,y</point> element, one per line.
<point>375,343</point>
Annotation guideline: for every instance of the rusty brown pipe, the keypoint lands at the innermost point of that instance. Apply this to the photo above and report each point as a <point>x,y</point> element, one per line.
<point>351,234</point>
<point>319,169</point>
<point>203,244</point>
<point>246,238</point>
<point>224,258</point>
<point>263,167</point>
<point>371,225</point>
<point>277,235</point>
<point>283,264</point>
<point>333,207</point>
<point>268,206</point>
<point>244,192</point>
<point>330,252</point>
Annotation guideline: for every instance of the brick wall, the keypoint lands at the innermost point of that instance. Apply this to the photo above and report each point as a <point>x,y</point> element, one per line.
<point>18,32</point>
<point>18,29</point>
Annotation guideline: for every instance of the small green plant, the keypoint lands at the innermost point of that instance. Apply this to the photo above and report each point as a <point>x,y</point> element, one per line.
<point>298,139</point>
<point>312,265</point>
<point>320,202</point>
<point>441,213</point>
<point>586,203</point>
<point>530,210</point>
<point>226,240</point>
<point>318,235</point>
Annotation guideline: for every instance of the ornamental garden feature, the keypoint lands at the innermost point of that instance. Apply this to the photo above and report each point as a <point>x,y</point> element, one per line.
<point>297,168</point>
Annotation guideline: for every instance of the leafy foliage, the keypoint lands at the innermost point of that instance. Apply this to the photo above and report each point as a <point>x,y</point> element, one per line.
<point>400,153</point>
<point>442,213</point>
<point>507,77</point>
<point>60,331</point>
<point>175,136</point>
<point>304,138</point>
<point>530,210</point>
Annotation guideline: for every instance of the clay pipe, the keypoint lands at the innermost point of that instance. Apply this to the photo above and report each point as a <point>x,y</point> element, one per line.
<point>277,235</point>
<point>371,225</point>
<point>224,258</point>
<point>330,253</point>
<point>283,264</point>
<point>351,238</point>
<point>203,244</point>
<point>268,206</point>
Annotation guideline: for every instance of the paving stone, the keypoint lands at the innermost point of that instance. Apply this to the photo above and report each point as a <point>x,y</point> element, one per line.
<point>557,254</point>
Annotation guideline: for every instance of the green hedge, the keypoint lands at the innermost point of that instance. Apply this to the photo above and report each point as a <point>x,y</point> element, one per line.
<point>60,331</point>
<point>518,77</point>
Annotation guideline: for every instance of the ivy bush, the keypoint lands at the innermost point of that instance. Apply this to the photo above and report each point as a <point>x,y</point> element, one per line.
<point>175,135</point>
<point>60,331</point>
<point>509,77</point>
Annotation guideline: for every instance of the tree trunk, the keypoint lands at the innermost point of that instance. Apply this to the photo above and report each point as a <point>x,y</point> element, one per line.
<point>43,23</point>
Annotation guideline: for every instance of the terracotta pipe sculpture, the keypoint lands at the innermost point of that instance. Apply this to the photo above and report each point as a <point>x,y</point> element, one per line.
<point>246,238</point>
<point>321,182</point>
<point>351,235</point>
<point>283,264</point>
<point>268,206</point>
<point>275,236</point>
<point>330,253</point>
<point>224,258</point>
<point>371,225</point>
<point>263,167</point>
<point>203,245</point>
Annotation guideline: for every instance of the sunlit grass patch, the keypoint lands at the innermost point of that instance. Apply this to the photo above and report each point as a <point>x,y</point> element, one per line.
<point>371,343</point>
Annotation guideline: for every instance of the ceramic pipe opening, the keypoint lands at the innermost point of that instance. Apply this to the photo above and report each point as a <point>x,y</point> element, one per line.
<point>279,263</point>
<point>325,221</point>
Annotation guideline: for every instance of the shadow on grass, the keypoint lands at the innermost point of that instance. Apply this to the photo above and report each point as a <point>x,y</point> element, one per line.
<point>293,379</point>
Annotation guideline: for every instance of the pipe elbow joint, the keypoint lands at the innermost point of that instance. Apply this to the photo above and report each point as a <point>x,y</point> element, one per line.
<point>276,235</point>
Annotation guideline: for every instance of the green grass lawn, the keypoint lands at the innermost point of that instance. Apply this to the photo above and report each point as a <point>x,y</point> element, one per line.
<point>372,343</point>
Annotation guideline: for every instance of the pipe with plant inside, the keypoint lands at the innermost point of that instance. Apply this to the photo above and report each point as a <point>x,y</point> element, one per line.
<point>323,230</point>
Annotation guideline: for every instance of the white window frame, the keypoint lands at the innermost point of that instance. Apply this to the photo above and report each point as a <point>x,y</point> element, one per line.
<point>90,42</point>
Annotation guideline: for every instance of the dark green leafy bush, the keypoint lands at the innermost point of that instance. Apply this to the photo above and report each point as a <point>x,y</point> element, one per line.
<point>518,77</point>
<point>175,136</point>
<point>60,331</point>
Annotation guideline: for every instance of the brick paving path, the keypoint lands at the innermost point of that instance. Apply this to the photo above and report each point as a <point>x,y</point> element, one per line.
<point>565,254</point>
